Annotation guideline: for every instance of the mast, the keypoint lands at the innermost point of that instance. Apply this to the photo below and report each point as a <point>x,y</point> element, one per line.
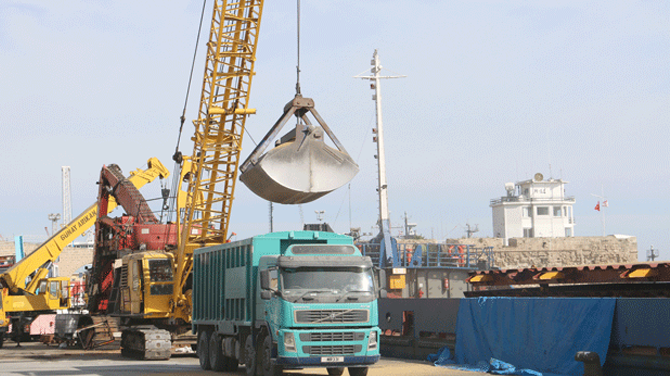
<point>384,220</point>
<point>381,156</point>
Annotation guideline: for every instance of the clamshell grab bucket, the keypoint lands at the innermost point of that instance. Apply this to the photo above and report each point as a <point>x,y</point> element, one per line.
<point>301,167</point>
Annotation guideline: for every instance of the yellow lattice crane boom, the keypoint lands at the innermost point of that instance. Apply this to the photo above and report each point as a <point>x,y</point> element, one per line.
<point>229,69</point>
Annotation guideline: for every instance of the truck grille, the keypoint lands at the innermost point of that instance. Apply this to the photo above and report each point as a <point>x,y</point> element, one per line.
<point>332,336</point>
<point>332,316</point>
<point>332,350</point>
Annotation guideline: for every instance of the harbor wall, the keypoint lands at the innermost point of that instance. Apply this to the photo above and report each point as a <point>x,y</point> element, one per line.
<point>570,251</point>
<point>520,253</point>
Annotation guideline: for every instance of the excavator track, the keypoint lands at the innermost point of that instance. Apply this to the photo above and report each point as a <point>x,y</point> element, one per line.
<point>146,342</point>
<point>96,331</point>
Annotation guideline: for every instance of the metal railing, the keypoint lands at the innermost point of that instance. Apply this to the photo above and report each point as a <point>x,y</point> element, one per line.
<point>431,255</point>
<point>536,201</point>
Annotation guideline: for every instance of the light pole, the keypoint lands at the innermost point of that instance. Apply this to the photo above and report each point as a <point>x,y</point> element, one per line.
<point>652,254</point>
<point>54,222</point>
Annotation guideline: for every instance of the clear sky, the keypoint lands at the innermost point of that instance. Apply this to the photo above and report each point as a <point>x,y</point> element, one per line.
<point>495,92</point>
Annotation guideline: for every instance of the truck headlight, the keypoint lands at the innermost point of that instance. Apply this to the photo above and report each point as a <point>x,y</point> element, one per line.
<point>289,342</point>
<point>372,341</point>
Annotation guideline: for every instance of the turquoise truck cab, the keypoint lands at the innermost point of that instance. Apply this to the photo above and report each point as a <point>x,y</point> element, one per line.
<point>321,301</point>
<point>314,305</point>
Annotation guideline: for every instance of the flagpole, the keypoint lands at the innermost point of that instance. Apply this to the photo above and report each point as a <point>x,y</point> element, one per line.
<point>602,211</point>
<point>601,207</point>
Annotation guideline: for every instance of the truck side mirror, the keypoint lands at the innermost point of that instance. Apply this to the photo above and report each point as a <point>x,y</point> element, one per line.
<point>266,294</point>
<point>382,278</point>
<point>383,294</point>
<point>265,279</point>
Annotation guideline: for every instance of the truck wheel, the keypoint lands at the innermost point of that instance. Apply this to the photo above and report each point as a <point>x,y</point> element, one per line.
<point>217,361</point>
<point>358,371</point>
<point>335,371</point>
<point>265,359</point>
<point>231,364</point>
<point>250,356</point>
<point>203,350</point>
<point>2,339</point>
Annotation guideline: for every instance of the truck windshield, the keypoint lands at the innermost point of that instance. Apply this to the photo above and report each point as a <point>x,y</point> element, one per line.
<point>327,281</point>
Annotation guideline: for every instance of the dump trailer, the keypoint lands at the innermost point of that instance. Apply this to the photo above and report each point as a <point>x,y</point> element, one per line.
<point>285,300</point>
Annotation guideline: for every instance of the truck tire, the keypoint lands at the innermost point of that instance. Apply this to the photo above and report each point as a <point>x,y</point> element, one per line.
<point>203,350</point>
<point>231,364</point>
<point>335,371</point>
<point>217,361</point>
<point>265,359</point>
<point>250,356</point>
<point>358,371</point>
<point>2,339</point>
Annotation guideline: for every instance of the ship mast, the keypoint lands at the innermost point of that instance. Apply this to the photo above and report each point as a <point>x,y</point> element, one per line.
<point>384,220</point>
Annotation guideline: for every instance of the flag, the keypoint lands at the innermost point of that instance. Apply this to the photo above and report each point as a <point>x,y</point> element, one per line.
<point>597,206</point>
<point>605,204</point>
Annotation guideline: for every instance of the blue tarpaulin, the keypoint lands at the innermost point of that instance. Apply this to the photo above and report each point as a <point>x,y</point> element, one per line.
<point>540,334</point>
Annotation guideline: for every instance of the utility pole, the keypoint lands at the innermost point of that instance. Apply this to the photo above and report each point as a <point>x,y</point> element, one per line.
<point>652,254</point>
<point>469,231</point>
<point>67,196</point>
<point>54,222</point>
<point>302,217</point>
<point>409,227</point>
<point>270,209</point>
<point>319,215</point>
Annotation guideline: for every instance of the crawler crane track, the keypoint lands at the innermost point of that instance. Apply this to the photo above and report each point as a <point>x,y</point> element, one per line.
<point>146,342</point>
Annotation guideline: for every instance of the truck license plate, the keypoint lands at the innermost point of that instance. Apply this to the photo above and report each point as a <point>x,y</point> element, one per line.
<point>332,359</point>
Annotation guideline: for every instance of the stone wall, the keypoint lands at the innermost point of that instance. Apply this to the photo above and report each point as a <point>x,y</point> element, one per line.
<point>543,252</point>
<point>71,258</point>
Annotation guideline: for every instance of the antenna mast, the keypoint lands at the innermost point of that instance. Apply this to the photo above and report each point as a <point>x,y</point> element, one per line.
<point>384,221</point>
<point>470,230</point>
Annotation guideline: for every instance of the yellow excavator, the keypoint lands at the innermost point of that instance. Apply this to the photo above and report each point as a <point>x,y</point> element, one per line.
<point>150,292</point>
<point>26,290</point>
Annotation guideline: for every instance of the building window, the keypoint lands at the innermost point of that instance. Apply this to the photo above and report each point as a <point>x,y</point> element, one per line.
<point>557,211</point>
<point>542,210</point>
<point>565,211</point>
<point>528,233</point>
<point>527,212</point>
<point>568,232</point>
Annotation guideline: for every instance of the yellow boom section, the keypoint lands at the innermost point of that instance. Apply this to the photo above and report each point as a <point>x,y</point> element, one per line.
<point>229,68</point>
<point>231,54</point>
<point>15,277</point>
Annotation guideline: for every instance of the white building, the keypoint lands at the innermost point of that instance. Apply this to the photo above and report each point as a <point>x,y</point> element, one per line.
<point>534,208</point>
